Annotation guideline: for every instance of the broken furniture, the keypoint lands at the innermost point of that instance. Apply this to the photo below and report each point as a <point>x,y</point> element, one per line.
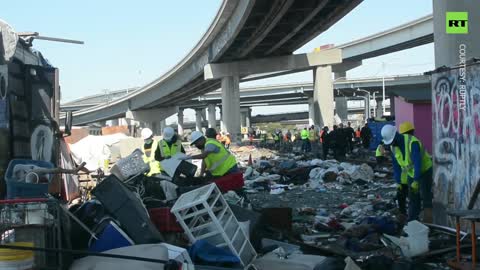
<point>205,215</point>
<point>472,216</point>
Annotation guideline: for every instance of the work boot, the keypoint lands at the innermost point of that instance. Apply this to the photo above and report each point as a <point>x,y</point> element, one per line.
<point>428,215</point>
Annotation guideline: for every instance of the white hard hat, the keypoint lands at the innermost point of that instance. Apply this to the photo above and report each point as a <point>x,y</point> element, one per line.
<point>196,135</point>
<point>168,133</point>
<point>146,133</point>
<point>388,133</point>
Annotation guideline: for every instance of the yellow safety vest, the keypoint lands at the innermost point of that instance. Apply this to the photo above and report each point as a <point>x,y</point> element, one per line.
<point>406,162</point>
<point>304,134</point>
<point>403,175</point>
<point>154,164</point>
<point>276,138</point>
<point>170,151</point>
<point>311,135</point>
<point>219,163</point>
<point>378,152</point>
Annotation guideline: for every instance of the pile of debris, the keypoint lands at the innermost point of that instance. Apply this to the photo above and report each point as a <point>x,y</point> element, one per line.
<point>292,213</point>
<point>333,208</point>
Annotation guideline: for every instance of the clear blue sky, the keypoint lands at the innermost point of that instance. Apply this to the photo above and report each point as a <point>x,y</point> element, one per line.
<point>129,43</point>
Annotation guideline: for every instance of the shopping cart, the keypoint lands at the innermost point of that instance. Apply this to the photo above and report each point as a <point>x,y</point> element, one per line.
<point>31,222</point>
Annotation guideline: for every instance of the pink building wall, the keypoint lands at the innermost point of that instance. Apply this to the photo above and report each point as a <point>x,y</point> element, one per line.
<point>403,111</point>
<point>420,114</point>
<point>423,124</point>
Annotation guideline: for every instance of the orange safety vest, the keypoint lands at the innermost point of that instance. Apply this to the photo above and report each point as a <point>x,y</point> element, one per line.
<point>357,133</point>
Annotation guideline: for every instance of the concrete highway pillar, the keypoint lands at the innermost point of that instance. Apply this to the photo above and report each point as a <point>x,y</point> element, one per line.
<point>163,125</point>
<point>311,112</point>
<point>212,121</point>
<point>367,108</point>
<point>455,174</point>
<point>204,114</point>
<point>447,46</point>
<point>248,119</point>
<point>222,126</point>
<point>198,119</point>
<point>379,108</point>
<point>392,105</point>
<point>341,108</point>
<point>154,127</point>
<point>180,122</point>
<point>243,116</point>
<point>323,96</point>
<point>231,106</point>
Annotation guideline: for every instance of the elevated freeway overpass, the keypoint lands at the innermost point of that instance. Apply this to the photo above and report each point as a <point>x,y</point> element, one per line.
<point>229,42</point>
<point>242,29</point>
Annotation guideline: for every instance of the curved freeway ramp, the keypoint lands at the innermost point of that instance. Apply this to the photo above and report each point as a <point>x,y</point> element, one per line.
<point>242,29</point>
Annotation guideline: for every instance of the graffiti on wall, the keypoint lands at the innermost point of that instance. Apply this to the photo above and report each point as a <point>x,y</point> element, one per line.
<point>456,134</point>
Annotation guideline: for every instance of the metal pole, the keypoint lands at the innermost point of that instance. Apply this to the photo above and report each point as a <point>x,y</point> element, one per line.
<point>369,109</point>
<point>59,39</point>
<point>383,90</point>
<point>375,110</point>
<point>366,108</point>
<point>57,96</point>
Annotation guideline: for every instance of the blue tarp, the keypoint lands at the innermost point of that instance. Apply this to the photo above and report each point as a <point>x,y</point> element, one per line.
<point>203,252</point>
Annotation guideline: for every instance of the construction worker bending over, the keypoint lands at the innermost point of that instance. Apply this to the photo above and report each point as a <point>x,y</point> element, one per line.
<point>154,151</point>
<point>217,161</point>
<point>409,157</point>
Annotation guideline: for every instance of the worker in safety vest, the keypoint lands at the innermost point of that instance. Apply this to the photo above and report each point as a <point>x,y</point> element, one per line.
<point>402,190</point>
<point>411,161</point>
<point>276,139</point>
<point>357,136</point>
<point>263,137</point>
<point>217,160</point>
<point>381,154</point>
<point>156,151</point>
<point>305,142</point>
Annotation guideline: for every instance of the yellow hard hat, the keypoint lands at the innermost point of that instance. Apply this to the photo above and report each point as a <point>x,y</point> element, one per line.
<point>406,127</point>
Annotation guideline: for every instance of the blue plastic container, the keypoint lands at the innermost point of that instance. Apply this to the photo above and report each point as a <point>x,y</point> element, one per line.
<point>20,190</point>
<point>376,128</point>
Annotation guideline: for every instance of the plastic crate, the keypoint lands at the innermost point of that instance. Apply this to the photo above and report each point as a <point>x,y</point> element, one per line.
<point>128,210</point>
<point>22,190</point>
<point>164,220</point>
<point>205,215</point>
<point>130,166</point>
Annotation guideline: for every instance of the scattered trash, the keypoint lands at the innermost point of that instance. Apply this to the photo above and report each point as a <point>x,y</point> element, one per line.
<point>416,242</point>
<point>277,191</point>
